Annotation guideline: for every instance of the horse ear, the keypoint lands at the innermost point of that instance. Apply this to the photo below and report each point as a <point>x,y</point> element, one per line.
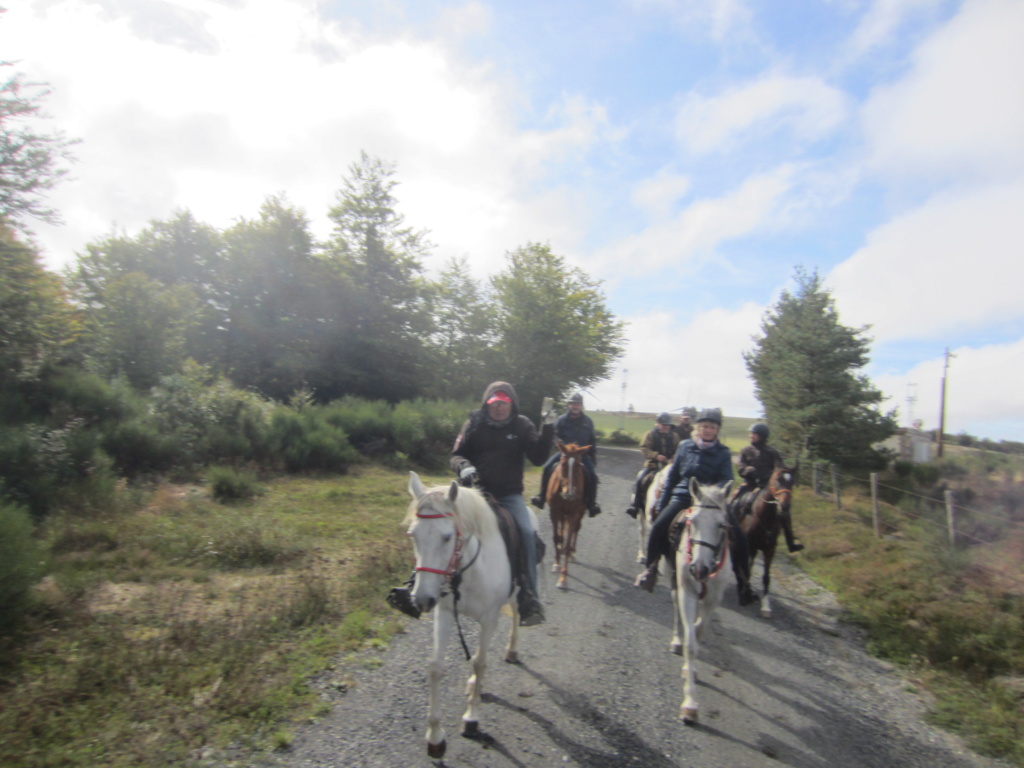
<point>453,491</point>
<point>416,488</point>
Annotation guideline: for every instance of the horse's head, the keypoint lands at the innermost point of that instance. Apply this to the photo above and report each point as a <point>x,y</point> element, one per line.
<point>707,529</point>
<point>780,486</point>
<point>436,538</point>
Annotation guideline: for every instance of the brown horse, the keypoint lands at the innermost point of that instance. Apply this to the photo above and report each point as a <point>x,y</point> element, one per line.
<point>564,498</point>
<point>761,514</point>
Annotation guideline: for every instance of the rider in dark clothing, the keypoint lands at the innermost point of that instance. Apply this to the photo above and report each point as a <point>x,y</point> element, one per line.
<point>658,447</point>
<point>710,461</point>
<point>574,426</point>
<point>489,453</point>
<point>757,463</point>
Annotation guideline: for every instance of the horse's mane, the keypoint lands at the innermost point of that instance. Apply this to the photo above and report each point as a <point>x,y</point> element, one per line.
<point>473,513</point>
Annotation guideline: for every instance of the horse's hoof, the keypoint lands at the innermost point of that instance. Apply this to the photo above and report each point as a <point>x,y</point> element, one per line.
<point>562,584</point>
<point>641,559</point>
<point>511,657</point>
<point>471,729</point>
<point>766,613</point>
<point>436,751</point>
<point>689,715</point>
<point>676,648</point>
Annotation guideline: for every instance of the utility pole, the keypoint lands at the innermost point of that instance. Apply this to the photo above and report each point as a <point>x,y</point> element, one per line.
<point>911,399</point>
<point>942,400</point>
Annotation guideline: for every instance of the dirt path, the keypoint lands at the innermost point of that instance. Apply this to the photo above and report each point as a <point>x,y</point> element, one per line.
<point>597,686</point>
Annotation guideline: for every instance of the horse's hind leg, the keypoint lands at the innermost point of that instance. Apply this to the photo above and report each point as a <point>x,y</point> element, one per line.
<point>676,645</point>
<point>474,686</point>
<point>436,740</point>
<point>512,648</point>
<point>688,607</point>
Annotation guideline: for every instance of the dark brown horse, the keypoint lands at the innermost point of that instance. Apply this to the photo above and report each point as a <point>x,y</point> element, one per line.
<point>761,514</point>
<point>564,497</point>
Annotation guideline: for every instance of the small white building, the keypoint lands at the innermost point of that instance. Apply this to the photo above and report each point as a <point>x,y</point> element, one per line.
<point>910,444</point>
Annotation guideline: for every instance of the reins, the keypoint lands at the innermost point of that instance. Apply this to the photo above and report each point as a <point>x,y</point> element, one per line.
<point>720,550</point>
<point>453,574</point>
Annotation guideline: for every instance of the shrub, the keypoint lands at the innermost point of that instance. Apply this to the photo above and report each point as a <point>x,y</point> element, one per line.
<point>19,565</point>
<point>425,430</point>
<point>620,437</point>
<point>306,442</point>
<point>227,484</point>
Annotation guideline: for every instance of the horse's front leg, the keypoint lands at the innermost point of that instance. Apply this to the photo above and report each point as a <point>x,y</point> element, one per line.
<point>641,519</point>
<point>562,564</point>
<point>689,607</point>
<point>474,686</point>
<point>676,646</point>
<point>556,533</point>
<point>766,560</point>
<point>436,740</point>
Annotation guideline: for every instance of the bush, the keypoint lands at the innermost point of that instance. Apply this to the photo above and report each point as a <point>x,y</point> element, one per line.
<point>19,565</point>
<point>306,442</point>
<point>620,437</point>
<point>425,430</point>
<point>227,485</point>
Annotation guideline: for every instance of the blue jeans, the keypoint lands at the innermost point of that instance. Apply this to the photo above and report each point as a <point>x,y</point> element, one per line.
<point>516,506</point>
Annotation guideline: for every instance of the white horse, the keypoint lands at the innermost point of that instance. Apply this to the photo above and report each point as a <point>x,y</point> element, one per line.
<point>462,569</point>
<point>646,516</point>
<point>701,563</point>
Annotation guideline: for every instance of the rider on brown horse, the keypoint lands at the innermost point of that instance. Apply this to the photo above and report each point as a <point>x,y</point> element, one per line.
<point>757,463</point>
<point>574,426</point>
<point>658,448</point>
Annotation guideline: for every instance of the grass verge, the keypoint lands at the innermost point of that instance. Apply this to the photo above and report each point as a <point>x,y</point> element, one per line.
<point>186,626</point>
<point>955,623</point>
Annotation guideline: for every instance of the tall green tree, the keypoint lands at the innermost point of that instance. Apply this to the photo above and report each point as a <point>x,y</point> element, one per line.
<point>383,353</point>
<point>32,162</point>
<point>463,334</point>
<point>806,370</point>
<point>555,332</point>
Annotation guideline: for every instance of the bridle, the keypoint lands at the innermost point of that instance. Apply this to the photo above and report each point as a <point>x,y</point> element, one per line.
<point>719,550</point>
<point>452,573</point>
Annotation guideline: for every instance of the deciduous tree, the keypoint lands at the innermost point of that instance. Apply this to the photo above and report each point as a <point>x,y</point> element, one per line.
<point>555,332</point>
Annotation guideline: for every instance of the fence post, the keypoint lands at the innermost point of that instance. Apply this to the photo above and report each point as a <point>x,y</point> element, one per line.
<point>949,517</point>
<point>835,485</point>
<point>874,503</point>
<point>817,478</point>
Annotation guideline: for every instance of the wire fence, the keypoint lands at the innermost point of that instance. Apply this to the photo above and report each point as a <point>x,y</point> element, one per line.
<point>829,482</point>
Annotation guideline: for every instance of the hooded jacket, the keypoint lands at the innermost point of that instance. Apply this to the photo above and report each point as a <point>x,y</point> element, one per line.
<point>497,450</point>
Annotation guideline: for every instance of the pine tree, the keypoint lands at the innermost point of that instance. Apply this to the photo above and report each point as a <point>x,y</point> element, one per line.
<point>805,368</point>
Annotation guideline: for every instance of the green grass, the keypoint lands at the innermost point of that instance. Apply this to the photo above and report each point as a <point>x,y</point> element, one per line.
<point>187,625</point>
<point>734,431</point>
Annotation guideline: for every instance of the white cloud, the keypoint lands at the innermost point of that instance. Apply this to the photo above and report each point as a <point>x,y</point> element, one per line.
<point>807,106</point>
<point>879,25</point>
<point>953,263</point>
<point>959,112</point>
<point>756,205</point>
<point>288,102</point>
<point>658,194</point>
<point>980,397</point>
<point>700,364</point>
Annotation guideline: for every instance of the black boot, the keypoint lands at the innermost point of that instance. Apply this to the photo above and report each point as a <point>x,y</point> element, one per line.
<point>400,598</point>
<point>531,612</point>
<point>538,502</point>
<point>647,579</point>
<point>791,541</point>
<point>631,511</point>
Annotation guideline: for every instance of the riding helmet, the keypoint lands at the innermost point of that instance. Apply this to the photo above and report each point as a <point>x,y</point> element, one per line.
<point>761,430</point>
<point>711,414</point>
<point>576,398</point>
<point>664,418</point>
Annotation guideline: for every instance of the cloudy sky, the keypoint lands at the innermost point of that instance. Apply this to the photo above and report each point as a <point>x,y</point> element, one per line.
<point>688,153</point>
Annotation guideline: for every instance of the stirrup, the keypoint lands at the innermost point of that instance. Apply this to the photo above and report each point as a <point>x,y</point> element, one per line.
<point>400,598</point>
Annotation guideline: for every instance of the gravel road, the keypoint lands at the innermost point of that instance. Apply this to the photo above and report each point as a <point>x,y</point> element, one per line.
<point>597,686</point>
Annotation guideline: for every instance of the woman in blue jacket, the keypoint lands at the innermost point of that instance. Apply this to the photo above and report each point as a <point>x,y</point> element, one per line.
<point>710,461</point>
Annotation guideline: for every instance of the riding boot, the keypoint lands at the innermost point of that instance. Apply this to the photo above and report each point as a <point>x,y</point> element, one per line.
<point>590,499</point>
<point>791,541</point>
<point>538,500</point>
<point>531,612</point>
<point>400,598</point>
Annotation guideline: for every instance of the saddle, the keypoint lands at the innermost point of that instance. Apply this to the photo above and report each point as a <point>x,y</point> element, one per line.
<point>675,532</point>
<point>513,545</point>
